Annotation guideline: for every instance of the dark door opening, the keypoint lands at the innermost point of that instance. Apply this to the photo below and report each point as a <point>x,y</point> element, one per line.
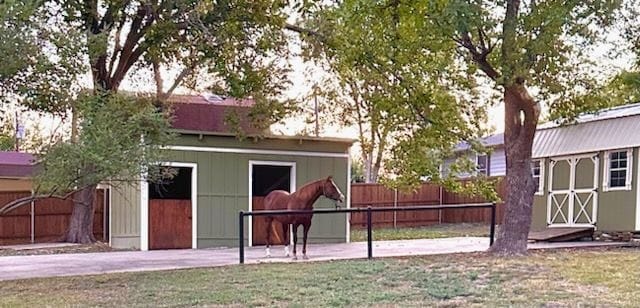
<point>170,211</point>
<point>265,179</point>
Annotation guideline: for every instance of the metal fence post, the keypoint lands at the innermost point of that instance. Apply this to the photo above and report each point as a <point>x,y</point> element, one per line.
<point>369,236</point>
<point>492,231</point>
<point>241,236</point>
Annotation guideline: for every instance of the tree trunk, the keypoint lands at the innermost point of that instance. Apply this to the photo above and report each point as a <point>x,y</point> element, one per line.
<point>81,225</point>
<point>521,116</point>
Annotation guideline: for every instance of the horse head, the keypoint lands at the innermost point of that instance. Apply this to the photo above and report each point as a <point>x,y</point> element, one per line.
<point>331,190</point>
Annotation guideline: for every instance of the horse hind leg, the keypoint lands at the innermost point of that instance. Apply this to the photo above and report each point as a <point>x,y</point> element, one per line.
<point>285,234</point>
<point>305,232</point>
<point>269,220</point>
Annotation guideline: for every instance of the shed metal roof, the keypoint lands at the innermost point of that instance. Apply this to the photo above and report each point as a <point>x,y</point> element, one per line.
<point>614,128</point>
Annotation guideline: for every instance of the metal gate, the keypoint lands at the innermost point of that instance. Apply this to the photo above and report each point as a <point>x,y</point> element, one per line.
<point>573,191</point>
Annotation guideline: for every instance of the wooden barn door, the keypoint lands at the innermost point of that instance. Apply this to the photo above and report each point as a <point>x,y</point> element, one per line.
<point>260,226</point>
<point>267,177</point>
<point>170,212</point>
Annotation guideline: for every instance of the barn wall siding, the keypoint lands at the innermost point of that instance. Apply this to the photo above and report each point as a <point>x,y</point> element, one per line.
<point>270,144</point>
<point>125,216</point>
<point>223,191</point>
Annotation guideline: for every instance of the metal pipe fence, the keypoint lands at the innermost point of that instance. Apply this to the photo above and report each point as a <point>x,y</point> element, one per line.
<point>369,210</point>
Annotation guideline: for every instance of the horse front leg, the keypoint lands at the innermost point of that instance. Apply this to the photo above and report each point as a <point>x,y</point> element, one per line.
<point>295,240</point>
<point>269,220</point>
<point>305,232</point>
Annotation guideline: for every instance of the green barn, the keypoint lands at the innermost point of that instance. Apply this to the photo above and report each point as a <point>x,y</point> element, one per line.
<point>219,175</point>
<point>588,172</point>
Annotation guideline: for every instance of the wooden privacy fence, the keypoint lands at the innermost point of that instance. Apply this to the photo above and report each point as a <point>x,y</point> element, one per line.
<point>376,195</point>
<point>49,220</point>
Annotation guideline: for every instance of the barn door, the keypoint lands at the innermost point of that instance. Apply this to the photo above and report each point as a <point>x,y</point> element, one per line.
<point>573,192</point>
<point>170,217</point>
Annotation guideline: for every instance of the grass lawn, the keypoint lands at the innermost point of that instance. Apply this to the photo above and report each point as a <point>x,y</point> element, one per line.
<point>597,277</point>
<point>435,231</point>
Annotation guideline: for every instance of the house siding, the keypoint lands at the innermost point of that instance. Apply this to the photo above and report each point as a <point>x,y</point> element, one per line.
<point>498,163</point>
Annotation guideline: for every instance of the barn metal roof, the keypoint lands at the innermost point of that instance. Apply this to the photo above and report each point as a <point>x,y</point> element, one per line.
<point>614,128</point>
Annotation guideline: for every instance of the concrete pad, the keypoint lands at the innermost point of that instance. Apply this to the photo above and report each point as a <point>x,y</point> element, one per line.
<point>22,267</point>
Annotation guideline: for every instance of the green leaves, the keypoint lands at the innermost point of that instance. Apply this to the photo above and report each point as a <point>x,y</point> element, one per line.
<point>121,137</point>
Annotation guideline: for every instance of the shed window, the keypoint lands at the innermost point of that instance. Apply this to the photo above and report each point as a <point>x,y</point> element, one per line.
<point>482,163</point>
<point>537,172</point>
<point>618,170</point>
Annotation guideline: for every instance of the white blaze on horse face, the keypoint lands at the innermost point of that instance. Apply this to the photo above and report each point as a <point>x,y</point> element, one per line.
<point>341,198</point>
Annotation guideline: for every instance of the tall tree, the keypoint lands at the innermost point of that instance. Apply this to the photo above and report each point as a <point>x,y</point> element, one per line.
<point>234,45</point>
<point>389,84</point>
<point>443,53</point>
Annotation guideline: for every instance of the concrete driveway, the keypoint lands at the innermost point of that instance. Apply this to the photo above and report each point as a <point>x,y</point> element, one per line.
<point>22,267</point>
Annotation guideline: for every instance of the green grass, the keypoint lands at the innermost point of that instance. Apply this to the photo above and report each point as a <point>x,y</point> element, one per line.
<point>435,231</point>
<point>595,277</point>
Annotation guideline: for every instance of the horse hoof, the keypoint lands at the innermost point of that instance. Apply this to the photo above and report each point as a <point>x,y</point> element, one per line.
<point>294,258</point>
<point>305,257</point>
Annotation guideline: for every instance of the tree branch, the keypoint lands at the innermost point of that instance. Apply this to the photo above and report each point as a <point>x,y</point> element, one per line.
<point>26,200</point>
<point>301,30</point>
<point>479,53</point>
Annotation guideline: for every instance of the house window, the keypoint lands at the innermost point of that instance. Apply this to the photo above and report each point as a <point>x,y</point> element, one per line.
<point>536,171</point>
<point>618,170</point>
<point>482,164</point>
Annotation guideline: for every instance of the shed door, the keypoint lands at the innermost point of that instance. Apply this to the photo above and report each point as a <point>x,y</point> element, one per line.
<point>573,191</point>
<point>170,212</point>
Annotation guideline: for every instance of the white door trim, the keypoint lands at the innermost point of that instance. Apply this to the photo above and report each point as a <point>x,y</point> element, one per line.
<point>255,151</point>
<point>144,205</point>
<point>292,185</point>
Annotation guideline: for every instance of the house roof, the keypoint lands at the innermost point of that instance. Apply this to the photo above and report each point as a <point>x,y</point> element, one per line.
<point>207,113</point>
<point>16,164</point>
<point>614,128</point>
<point>492,141</point>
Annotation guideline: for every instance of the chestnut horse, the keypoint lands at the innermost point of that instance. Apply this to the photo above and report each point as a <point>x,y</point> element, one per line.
<point>302,199</point>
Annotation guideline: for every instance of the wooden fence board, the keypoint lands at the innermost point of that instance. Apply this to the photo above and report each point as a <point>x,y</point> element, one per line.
<point>376,195</point>
<point>51,218</point>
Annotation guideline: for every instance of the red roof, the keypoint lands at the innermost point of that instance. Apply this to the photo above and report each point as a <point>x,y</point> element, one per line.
<point>197,113</point>
<point>16,164</point>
